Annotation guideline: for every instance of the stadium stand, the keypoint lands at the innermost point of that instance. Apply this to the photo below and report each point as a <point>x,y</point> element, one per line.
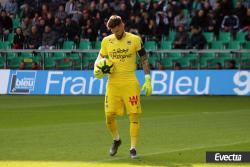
<point>154,20</point>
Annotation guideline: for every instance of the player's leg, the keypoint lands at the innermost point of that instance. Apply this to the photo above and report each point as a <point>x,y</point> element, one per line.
<point>112,126</point>
<point>134,130</point>
<point>113,107</point>
<point>133,105</point>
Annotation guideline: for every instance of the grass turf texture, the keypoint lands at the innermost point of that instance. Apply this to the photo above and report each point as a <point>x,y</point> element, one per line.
<point>37,131</point>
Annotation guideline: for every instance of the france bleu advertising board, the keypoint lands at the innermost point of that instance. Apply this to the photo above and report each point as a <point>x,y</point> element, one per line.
<point>182,82</point>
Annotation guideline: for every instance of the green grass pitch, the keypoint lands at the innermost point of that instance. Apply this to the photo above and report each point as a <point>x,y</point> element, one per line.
<point>176,131</point>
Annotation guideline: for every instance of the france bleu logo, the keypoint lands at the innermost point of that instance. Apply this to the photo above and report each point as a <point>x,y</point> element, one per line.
<point>23,82</point>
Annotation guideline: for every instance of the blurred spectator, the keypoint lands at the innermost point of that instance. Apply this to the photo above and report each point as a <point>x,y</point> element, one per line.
<point>181,19</point>
<point>177,66</point>
<point>89,31</point>
<point>197,5</point>
<point>123,12</point>
<point>70,6</point>
<point>197,41</point>
<point>35,66</point>
<point>59,30</point>
<point>48,38</point>
<point>103,31</point>
<point>26,26</point>
<point>247,37</point>
<point>61,14</point>
<point>49,19</point>
<point>218,66</point>
<point>162,24</point>
<point>246,19</point>
<point>41,25</point>
<point>26,11</point>
<point>72,31</point>
<point>11,7</point>
<point>159,65</point>
<point>181,38</point>
<point>77,15</point>
<point>200,19</point>
<point>232,64</point>
<point>19,39</point>
<point>6,24</point>
<point>34,40</point>
<point>45,10</point>
<point>213,23</point>
<point>240,11</point>
<point>22,65</point>
<point>230,22</point>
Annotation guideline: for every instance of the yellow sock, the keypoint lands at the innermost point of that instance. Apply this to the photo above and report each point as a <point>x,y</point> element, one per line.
<point>112,125</point>
<point>134,129</point>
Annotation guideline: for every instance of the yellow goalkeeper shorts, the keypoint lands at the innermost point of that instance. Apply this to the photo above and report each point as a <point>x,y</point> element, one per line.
<point>122,94</point>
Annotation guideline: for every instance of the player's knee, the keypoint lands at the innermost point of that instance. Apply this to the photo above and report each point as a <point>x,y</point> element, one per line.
<point>134,118</point>
<point>110,117</point>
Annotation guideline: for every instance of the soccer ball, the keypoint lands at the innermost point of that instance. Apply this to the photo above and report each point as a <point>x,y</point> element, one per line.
<point>105,65</point>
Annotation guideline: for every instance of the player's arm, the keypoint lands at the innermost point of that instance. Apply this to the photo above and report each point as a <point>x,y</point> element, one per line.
<point>147,87</point>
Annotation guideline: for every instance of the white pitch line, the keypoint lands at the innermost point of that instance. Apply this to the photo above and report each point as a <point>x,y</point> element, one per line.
<point>174,150</point>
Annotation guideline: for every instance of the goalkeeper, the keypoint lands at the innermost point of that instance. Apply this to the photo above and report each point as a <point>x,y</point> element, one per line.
<point>123,89</point>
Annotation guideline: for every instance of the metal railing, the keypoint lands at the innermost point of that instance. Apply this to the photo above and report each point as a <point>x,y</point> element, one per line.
<point>161,53</point>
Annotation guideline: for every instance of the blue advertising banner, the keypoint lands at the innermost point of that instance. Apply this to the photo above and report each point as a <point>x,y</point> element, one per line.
<point>182,82</point>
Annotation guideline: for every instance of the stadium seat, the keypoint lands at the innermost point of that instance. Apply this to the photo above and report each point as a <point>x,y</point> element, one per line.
<point>1,62</point>
<point>171,36</point>
<point>175,55</point>
<point>58,56</point>
<point>150,45</point>
<point>10,37</point>
<point>224,37</point>
<point>165,45</point>
<point>5,45</point>
<point>97,45</point>
<point>217,45</point>
<point>49,63</point>
<point>14,63</point>
<point>240,37</point>
<point>16,23</point>
<point>233,45</point>
<point>68,45</point>
<point>209,36</point>
<point>65,65</point>
<point>85,45</point>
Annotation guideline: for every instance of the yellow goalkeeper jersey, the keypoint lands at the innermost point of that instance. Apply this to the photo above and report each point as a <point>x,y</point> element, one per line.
<point>123,54</point>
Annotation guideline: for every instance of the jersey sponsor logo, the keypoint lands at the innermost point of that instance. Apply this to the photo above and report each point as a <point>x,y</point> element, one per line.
<point>133,100</point>
<point>129,42</point>
<point>121,54</point>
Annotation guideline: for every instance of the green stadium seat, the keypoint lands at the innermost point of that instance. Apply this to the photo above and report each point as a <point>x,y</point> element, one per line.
<point>150,45</point>
<point>175,55</point>
<point>85,45</point>
<point>65,65</point>
<point>14,63</point>
<point>5,45</point>
<point>2,62</point>
<point>49,63</point>
<point>240,37</point>
<point>58,56</point>
<point>234,45</point>
<point>209,36</point>
<point>16,23</point>
<point>171,36</point>
<point>97,45</point>
<point>204,61</point>
<point>224,37</point>
<point>11,37</point>
<point>217,45</point>
<point>165,45</point>
<point>11,55</point>
<point>68,45</point>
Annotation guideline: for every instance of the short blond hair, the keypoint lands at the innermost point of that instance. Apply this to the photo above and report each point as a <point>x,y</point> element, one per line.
<point>114,21</point>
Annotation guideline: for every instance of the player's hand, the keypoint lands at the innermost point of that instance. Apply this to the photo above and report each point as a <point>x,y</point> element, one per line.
<point>147,87</point>
<point>98,73</point>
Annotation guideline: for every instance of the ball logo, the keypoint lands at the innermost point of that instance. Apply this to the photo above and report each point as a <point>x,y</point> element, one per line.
<point>23,82</point>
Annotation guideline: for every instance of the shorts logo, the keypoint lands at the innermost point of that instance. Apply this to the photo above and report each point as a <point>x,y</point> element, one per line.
<point>23,82</point>
<point>133,100</point>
